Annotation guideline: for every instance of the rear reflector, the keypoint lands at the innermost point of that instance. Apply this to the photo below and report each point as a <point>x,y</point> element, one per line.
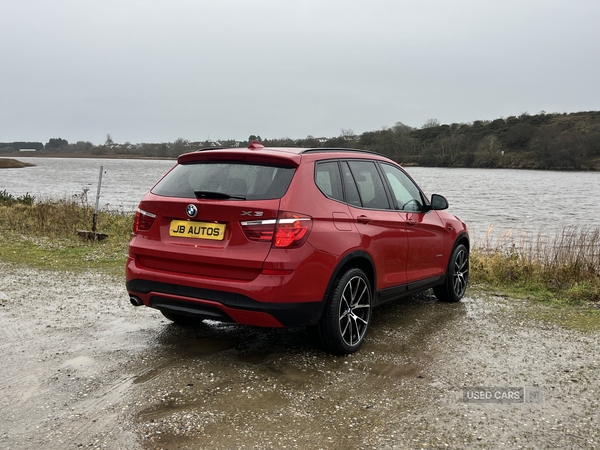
<point>280,272</point>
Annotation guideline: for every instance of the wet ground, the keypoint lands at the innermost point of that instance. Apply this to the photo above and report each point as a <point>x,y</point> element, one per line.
<point>82,368</point>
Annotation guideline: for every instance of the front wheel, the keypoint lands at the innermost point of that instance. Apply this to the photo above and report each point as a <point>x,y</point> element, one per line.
<point>346,318</point>
<point>457,276</point>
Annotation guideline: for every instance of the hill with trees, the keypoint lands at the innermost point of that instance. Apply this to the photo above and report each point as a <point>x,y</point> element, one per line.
<point>557,141</point>
<point>541,141</point>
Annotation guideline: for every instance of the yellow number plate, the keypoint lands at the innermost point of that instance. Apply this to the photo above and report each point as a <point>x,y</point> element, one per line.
<point>199,230</point>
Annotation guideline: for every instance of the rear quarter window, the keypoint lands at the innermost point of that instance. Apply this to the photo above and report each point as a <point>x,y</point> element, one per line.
<point>250,181</point>
<point>328,180</point>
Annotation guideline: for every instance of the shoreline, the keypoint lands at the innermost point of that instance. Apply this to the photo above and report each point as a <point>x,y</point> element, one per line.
<point>10,163</point>
<point>165,158</point>
<point>81,155</point>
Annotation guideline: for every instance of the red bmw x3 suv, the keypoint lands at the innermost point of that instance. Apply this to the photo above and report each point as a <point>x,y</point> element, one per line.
<point>287,237</point>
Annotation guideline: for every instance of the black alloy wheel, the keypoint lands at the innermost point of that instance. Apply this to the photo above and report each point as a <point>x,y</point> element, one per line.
<point>347,316</point>
<point>457,276</point>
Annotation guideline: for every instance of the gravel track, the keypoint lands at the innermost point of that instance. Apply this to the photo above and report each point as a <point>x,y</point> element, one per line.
<point>82,368</point>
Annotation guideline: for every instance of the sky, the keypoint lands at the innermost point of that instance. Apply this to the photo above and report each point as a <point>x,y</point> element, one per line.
<point>159,70</point>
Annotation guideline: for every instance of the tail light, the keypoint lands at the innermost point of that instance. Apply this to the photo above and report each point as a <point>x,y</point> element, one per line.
<point>143,220</point>
<point>288,231</point>
<point>292,230</point>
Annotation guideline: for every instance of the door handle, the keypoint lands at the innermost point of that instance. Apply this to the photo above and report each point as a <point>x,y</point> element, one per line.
<point>363,219</point>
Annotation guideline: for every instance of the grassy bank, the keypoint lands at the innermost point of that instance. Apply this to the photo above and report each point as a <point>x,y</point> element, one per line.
<point>44,234</point>
<point>564,270</point>
<point>8,163</point>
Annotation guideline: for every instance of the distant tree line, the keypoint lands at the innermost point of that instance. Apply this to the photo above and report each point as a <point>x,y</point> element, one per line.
<point>54,145</point>
<point>17,146</point>
<point>540,141</point>
<point>556,141</point>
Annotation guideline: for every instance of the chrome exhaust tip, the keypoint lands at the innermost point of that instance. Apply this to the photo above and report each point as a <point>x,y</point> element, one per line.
<point>135,301</point>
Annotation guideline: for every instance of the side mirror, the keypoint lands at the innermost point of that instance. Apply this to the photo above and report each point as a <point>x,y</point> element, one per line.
<point>438,202</point>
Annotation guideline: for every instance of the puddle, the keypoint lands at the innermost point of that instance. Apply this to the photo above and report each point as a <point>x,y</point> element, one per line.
<point>253,358</point>
<point>28,387</point>
<point>395,371</point>
<point>79,361</point>
<point>144,378</point>
<point>205,346</point>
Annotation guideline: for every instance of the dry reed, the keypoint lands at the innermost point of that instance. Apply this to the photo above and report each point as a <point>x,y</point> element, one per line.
<point>567,263</point>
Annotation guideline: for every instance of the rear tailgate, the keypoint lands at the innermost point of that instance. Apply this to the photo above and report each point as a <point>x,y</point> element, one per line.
<point>211,244</point>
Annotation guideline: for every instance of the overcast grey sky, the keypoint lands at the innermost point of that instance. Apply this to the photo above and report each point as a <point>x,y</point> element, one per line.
<point>158,70</point>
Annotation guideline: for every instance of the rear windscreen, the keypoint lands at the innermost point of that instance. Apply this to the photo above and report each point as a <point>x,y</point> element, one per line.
<point>234,179</point>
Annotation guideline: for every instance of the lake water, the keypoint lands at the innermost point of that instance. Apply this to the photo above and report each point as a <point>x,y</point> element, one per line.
<point>517,202</point>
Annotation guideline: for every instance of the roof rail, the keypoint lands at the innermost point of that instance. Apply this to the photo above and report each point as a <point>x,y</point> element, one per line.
<point>333,149</point>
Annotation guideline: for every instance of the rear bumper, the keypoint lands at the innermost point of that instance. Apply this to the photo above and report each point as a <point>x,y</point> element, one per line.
<point>223,306</point>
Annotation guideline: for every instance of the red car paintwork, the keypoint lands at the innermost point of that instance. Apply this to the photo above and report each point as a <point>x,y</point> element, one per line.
<point>256,283</point>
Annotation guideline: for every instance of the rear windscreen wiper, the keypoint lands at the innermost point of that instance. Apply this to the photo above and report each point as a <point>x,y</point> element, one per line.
<point>217,195</point>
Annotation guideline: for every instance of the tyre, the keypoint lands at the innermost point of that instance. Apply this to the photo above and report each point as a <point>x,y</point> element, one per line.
<point>457,276</point>
<point>346,318</point>
<point>181,319</point>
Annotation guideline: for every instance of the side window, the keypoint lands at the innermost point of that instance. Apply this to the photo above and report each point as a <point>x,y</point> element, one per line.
<point>369,183</point>
<point>406,194</point>
<point>352,196</point>
<point>328,180</point>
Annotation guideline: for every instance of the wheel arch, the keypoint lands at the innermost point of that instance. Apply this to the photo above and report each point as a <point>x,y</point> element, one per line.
<point>463,238</point>
<point>356,259</point>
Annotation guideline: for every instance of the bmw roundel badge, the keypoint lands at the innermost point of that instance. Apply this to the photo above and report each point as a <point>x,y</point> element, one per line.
<point>191,211</point>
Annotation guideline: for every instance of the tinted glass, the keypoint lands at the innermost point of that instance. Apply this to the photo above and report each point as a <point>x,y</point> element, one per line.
<point>352,196</point>
<point>406,194</point>
<point>370,185</point>
<point>327,177</point>
<point>252,181</point>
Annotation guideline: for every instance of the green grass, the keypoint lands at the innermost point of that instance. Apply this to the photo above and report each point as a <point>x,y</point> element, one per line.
<point>581,318</point>
<point>62,254</point>
<point>9,199</point>
<point>44,235</point>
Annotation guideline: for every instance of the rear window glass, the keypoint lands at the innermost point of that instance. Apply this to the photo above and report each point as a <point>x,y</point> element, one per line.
<point>245,180</point>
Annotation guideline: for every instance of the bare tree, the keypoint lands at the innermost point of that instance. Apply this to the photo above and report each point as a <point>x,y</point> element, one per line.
<point>431,123</point>
<point>401,128</point>
<point>347,134</point>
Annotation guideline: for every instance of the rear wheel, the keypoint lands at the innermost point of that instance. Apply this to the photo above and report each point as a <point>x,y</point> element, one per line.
<point>346,318</point>
<point>457,276</point>
<point>181,319</point>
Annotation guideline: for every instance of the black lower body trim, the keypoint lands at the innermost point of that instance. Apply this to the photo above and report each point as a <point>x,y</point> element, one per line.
<point>189,309</point>
<point>288,314</point>
<point>389,294</point>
